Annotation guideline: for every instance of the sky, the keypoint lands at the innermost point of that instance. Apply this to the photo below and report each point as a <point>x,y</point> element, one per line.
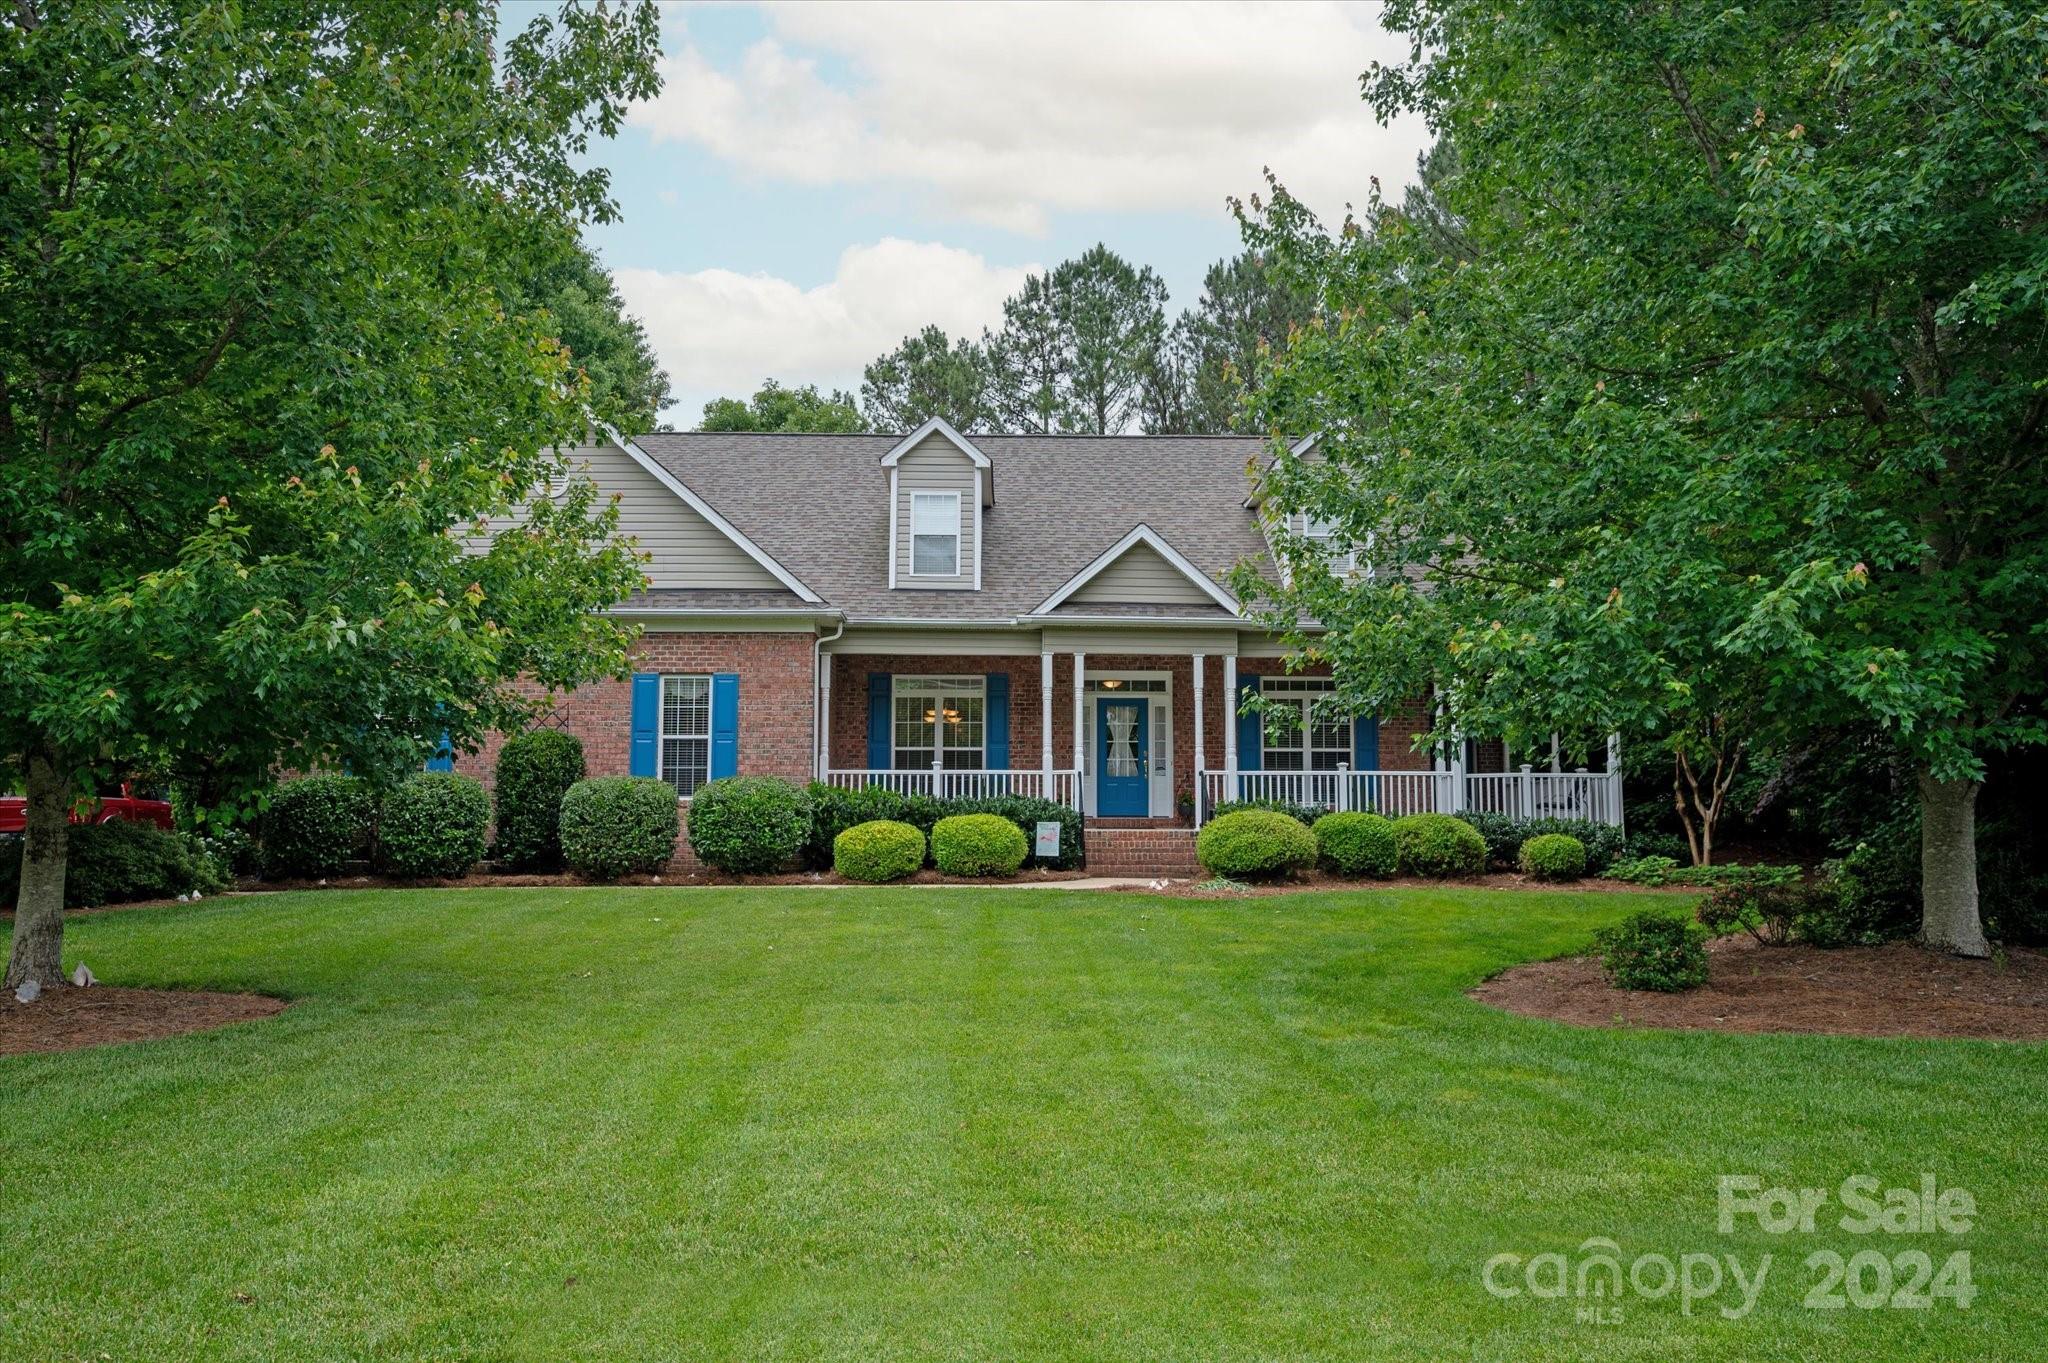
<point>817,181</point>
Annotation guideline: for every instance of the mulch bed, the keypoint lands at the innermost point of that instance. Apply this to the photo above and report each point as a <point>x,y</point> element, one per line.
<point>1896,990</point>
<point>67,1018</point>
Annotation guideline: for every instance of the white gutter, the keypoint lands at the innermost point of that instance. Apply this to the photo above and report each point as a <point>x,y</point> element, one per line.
<point>818,735</point>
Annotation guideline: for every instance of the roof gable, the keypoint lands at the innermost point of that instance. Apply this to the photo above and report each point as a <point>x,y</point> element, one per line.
<point>940,426</point>
<point>716,521</point>
<point>1141,568</point>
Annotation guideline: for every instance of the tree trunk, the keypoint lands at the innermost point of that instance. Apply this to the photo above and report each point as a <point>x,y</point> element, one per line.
<point>1948,867</point>
<point>39,911</point>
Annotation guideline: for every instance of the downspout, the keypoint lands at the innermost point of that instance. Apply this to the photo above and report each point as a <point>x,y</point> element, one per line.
<point>818,643</point>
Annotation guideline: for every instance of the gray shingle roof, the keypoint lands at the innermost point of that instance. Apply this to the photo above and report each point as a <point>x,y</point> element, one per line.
<point>716,599</point>
<point>819,504</point>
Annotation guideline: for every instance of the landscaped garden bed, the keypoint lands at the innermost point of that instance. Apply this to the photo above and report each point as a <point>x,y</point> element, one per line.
<point>1891,990</point>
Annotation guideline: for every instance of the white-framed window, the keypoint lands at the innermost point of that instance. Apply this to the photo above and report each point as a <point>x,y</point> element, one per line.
<point>685,732</point>
<point>1329,541</point>
<point>938,719</point>
<point>935,534</point>
<point>1308,740</point>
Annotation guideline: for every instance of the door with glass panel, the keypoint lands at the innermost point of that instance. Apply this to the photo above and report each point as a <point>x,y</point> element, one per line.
<point>1122,756</point>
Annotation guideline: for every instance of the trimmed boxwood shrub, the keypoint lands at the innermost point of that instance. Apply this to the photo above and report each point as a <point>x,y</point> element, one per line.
<point>1553,856</point>
<point>535,770</point>
<point>433,825</point>
<point>1305,815</point>
<point>1439,846</point>
<point>1505,835</point>
<point>881,850</point>
<point>978,845</point>
<point>316,825</point>
<point>614,826</point>
<point>120,862</point>
<point>749,825</point>
<point>1654,949</point>
<point>1027,812</point>
<point>1252,843</point>
<point>1356,844</point>
<point>834,810</point>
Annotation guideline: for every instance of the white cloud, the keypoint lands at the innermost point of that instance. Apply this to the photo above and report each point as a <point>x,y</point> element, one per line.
<point>719,332</point>
<point>1007,113</point>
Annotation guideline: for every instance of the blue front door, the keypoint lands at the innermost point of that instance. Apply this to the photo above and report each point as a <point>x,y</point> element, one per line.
<point>1122,769</point>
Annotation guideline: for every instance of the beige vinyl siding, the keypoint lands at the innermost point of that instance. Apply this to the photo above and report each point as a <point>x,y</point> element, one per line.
<point>1121,639</point>
<point>935,464</point>
<point>688,550</point>
<point>1142,575</point>
<point>963,642</point>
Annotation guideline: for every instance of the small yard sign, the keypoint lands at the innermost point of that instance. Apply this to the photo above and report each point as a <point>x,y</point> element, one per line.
<point>1049,839</point>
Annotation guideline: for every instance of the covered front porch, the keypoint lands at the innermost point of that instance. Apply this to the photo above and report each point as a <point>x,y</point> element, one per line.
<point>1150,735</point>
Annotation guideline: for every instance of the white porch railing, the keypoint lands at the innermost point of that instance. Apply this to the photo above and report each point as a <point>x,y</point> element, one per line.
<point>1062,786</point>
<point>1587,797</point>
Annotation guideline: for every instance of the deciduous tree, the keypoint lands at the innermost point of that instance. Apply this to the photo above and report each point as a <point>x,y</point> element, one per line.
<point>1738,370</point>
<point>268,353</point>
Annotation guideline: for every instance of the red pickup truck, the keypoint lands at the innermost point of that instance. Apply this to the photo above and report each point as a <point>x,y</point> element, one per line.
<point>123,801</point>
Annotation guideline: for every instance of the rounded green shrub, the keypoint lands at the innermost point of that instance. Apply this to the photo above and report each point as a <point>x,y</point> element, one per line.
<point>1554,856</point>
<point>749,825</point>
<point>619,825</point>
<point>316,825</point>
<point>119,862</point>
<point>1254,843</point>
<point>433,825</point>
<point>1654,949</point>
<point>879,850</point>
<point>1356,845</point>
<point>535,770</point>
<point>1438,846</point>
<point>978,845</point>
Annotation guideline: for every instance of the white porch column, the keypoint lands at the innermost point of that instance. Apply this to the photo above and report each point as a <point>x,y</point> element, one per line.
<point>1080,698</point>
<point>1201,758</point>
<point>1230,723</point>
<point>1045,719</point>
<point>825,717</point>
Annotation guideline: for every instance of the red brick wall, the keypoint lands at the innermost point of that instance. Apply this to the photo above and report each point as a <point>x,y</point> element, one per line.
<point>775,703</point>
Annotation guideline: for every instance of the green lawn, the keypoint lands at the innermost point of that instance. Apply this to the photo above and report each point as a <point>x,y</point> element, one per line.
<point>753,1125</point>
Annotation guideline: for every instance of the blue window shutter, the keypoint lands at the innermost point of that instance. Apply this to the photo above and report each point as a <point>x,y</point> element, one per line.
<point>645,757</point>
<point>995,730</point>
<point>1365,743</point>
<point>725,724</point>
<point>878,721</point>
<point>1248,726</point>
<point>444,755</point>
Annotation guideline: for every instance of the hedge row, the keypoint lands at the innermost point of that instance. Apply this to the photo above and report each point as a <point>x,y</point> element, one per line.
<point>834,810</point>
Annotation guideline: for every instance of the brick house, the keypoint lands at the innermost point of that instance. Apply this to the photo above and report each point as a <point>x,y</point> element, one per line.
<point>1038,615</point>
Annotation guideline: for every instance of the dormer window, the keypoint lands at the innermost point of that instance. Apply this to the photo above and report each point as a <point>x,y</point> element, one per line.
<point>935,534</point>
<point>1327,536</point>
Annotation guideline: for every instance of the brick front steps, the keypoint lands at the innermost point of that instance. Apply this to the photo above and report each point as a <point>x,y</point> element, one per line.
<point>1139,847</point>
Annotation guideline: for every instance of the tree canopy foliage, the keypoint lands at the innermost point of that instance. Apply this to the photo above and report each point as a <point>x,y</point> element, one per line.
<point>775,408</point>
<point>1085,347</point>
<point>1702,392</point>
<point>280,293</point>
